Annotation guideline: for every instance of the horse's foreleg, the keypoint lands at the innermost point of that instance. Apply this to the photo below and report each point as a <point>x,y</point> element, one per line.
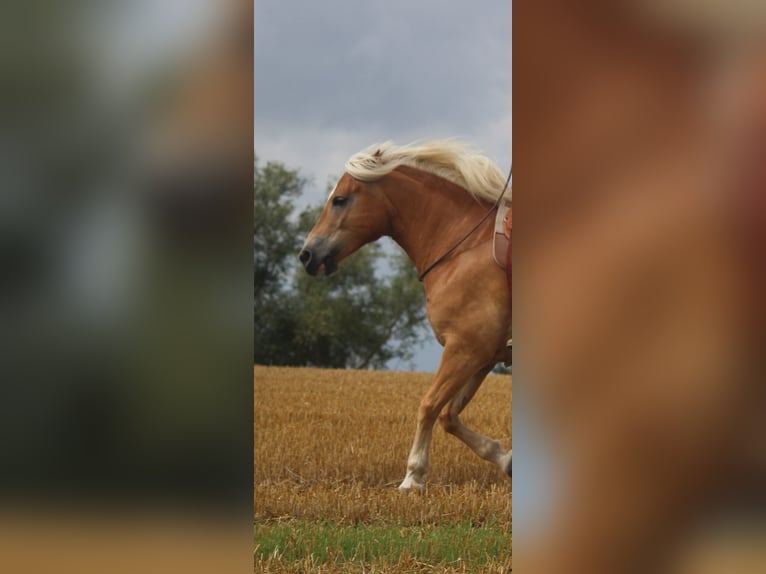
<point>455,369</point>
<point>487,448</point>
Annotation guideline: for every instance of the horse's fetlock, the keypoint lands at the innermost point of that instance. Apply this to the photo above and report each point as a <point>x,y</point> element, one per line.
<point>490,449</point>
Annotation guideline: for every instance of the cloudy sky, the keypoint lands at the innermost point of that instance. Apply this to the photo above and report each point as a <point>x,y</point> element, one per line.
<point>333,77</point>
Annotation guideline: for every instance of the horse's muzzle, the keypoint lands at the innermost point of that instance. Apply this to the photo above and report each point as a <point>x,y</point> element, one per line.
<point>316,255</point>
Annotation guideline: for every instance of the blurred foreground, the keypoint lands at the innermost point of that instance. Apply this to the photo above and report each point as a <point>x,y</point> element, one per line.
<point>639,246</point>
<point>125,225</point>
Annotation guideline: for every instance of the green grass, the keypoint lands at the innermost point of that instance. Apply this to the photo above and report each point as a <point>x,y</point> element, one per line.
<point>330,543</point>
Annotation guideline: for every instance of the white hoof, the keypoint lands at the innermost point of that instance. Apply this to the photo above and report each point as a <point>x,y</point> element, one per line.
<point>506,463</point>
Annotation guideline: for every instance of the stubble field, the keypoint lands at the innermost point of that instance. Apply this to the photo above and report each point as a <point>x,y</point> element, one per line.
<point>330,447</point>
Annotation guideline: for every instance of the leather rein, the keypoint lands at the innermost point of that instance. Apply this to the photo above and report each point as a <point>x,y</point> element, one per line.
<point>467,235</point>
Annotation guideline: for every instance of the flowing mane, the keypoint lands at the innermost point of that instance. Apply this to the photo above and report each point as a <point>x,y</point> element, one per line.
<point>458,163</point>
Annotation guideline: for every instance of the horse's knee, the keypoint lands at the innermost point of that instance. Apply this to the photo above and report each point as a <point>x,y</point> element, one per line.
<point>427,413</point>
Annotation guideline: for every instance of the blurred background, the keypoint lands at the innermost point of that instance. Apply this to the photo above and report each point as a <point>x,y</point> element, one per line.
<point>640,189</point>
<point>125,299</point>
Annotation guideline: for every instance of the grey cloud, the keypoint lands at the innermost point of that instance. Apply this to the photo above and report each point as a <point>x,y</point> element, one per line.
<point>388,66</point>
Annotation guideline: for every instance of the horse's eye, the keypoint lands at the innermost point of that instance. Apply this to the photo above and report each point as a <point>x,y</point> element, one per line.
<point>339,200</point>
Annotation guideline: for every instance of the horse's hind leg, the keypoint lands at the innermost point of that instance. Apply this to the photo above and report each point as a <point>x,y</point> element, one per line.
<point>456,367</point>
<point>487,448</point>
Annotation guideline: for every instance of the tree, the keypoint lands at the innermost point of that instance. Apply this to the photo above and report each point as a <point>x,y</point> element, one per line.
<point>275,241</point>
<point>370,312</point>
<point>275,236</point>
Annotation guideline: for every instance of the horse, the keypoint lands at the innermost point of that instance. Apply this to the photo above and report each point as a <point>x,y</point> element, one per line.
<point>427,197</point>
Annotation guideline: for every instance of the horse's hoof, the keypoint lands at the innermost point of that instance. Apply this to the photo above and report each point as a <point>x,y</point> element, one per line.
<point>508,466</point>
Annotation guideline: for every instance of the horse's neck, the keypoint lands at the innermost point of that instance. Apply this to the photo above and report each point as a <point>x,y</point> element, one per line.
<point>430,215</point>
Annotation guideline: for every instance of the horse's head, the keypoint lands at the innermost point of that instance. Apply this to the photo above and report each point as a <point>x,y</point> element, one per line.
<point>356,213</point>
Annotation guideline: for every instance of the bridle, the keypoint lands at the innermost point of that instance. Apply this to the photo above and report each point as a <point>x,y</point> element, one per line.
<point>467,235</point>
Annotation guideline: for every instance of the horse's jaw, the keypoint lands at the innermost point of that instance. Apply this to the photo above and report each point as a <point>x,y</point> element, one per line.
<point>329,265</point>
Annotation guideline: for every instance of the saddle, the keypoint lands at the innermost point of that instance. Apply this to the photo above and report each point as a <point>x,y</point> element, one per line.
<point>502,243</point>
<point>502,250</point>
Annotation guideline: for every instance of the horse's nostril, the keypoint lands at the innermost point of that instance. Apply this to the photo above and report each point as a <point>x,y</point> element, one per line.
<point>305,256</point>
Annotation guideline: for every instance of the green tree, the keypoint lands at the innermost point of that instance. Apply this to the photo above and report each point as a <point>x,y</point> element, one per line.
<point>370,312</point>
<point>275,242</point>
<point>275,236</point>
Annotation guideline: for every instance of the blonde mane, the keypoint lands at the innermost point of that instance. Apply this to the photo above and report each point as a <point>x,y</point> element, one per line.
<point>453,161</point>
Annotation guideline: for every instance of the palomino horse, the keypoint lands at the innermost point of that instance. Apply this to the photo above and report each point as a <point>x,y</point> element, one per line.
<point>426,198</point>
